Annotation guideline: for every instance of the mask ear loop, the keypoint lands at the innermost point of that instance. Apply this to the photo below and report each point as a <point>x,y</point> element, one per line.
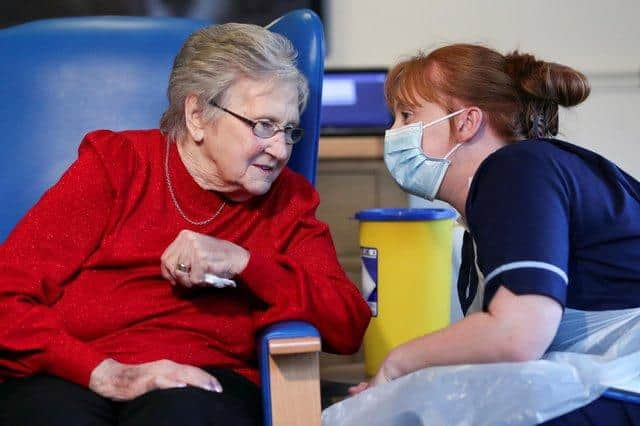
<point>440,120</point>
<point>446,117</point>
<point>454,149</point>
<point>459,144</point>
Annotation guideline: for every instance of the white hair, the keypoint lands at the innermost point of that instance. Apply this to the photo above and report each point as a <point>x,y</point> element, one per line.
<point>214,58</point>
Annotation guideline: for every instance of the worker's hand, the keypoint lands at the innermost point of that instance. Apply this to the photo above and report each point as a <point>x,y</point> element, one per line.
<point>362,386</point>
<point>192,255</point>
<point>385,374</point>
<point>123,382</point>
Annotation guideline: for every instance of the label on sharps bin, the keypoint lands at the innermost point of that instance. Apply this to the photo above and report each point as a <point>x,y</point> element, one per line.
<point>369,258</point>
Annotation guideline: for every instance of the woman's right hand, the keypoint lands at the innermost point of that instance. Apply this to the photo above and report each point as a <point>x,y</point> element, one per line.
<point>123,382</point>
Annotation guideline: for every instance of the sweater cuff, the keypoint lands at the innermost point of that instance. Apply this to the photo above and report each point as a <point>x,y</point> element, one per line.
<point>72,360</point>
<point>260,270</point>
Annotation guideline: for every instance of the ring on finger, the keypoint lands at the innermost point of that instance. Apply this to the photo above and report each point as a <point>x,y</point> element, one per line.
<point>181,267</point>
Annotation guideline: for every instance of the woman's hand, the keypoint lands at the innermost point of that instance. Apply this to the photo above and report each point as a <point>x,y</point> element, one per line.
<point>362,386</point>
<point>378,379</point>
<point>199,254</point>
<point>123,382</point>
<point>388,371</point>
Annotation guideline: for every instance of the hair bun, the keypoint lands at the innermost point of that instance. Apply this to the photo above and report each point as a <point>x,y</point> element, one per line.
<point>547,81</point>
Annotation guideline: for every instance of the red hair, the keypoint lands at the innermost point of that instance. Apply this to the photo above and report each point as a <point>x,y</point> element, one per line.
<point>518,94</point>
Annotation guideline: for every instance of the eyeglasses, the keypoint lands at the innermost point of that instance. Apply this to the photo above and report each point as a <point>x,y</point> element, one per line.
<point>266,129</point>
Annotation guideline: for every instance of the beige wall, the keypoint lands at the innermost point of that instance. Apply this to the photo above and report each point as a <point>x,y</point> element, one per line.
<point>601,38</point>
<point>591,35</point>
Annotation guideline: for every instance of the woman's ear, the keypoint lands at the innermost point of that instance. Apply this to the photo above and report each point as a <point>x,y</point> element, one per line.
<point>193,118</point>
<point>468,123</point>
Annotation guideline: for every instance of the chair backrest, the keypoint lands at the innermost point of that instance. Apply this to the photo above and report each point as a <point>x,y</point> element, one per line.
<point>64,77</point>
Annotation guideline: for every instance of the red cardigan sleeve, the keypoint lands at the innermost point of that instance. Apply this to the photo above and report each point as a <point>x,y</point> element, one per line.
<point>44,251</point>
<point>304,281</point>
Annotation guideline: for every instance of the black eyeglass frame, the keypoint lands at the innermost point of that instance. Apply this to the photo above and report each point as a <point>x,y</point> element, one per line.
<point>288,130</point>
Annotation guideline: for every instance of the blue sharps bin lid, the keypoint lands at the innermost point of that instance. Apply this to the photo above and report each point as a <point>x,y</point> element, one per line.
<point>404,214</point>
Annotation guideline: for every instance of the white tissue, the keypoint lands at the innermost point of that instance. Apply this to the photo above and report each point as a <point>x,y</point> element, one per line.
<point>218,282</point>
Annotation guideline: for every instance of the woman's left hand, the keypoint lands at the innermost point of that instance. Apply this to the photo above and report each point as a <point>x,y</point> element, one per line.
<point>199,254</point>
<point>385,374</point>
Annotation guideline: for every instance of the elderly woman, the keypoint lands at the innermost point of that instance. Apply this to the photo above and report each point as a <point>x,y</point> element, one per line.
<point>133,291</point>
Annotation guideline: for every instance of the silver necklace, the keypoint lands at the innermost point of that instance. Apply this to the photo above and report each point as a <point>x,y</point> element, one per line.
<point>175,200</point>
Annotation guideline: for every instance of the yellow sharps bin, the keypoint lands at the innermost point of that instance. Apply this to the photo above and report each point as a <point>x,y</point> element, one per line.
<point>406,276</point>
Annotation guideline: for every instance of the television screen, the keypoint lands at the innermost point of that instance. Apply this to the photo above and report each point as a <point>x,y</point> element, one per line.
<point>353,102</point>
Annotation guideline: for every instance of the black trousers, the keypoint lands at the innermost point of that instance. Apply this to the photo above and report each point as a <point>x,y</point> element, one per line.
<point>48,400</point>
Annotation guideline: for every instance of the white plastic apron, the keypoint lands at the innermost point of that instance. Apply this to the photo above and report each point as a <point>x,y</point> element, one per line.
<point>591,352</point>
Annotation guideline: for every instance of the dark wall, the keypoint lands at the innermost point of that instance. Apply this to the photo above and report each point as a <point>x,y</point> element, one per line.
<point>256,12</point>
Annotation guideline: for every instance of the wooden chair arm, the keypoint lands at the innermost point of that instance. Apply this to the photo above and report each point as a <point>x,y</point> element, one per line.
<point>290,354</point>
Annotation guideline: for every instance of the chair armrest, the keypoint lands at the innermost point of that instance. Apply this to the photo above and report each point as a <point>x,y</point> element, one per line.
<point>289,369</point>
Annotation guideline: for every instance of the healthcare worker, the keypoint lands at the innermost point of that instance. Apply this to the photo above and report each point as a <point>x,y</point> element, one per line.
<point>550,225</point>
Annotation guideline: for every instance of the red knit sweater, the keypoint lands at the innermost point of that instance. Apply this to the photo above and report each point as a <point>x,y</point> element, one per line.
<point>80,274</point>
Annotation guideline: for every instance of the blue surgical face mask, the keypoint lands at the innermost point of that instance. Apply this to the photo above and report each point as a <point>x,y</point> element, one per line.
<point>415,172</point>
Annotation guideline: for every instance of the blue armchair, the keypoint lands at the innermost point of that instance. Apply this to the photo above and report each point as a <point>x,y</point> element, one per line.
<point>64,77</point>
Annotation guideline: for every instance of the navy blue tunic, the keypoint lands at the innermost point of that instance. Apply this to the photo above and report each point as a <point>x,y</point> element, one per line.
<point>547,217</point>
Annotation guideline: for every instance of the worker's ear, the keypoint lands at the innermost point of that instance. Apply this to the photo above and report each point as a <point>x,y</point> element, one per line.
<point>468,123</point>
